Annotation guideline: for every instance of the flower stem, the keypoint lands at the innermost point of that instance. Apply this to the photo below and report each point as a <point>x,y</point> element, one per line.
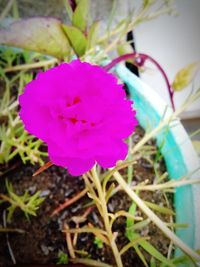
<point>140,60</point>
<point>105,215</point>
<point>170,91</point>
<point>154,218</point>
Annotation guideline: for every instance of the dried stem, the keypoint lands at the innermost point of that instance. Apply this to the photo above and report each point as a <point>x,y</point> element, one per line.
<point>104,213</point>
<point>155,219</point>
<point>69,242</point>
<point>43,168</point>
<point>70,201</point>
<point>170,184</point>
<point>90,262</point>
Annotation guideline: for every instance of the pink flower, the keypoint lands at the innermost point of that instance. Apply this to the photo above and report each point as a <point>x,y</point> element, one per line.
<point>81,112</point>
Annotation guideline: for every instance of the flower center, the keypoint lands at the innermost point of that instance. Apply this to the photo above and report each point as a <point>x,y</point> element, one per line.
<point>69,115</point>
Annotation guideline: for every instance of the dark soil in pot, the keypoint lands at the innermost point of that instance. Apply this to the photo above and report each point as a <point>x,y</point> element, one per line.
<point>43,238</point>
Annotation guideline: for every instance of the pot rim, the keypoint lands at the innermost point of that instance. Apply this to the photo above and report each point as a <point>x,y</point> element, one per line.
<point>178,151</point>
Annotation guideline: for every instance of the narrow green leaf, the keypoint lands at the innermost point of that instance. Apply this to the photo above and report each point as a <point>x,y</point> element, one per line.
<point>68,9</point>
<point>139,225</point>
<point>109,191</point>
<point>125,48</point>
<point>147,2</point>
<point>80,15</point>
<point>140,255</point>
<point>143,243</point>
<point>152,262</point>
<point>11,210</point>
<point>183,260</point>
<point>43,35</point>
<point>185,76</point>
<point>130,222</point>
<point>93,34</point>
<point>160,209</point>
<point>111,16</point>
<point>9,187</point>
<point>76,38</point>
<point>153,251</point>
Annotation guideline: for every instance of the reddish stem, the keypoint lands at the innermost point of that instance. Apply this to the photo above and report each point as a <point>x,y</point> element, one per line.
<point>43,168</point>
<point>69,202</point>
<point>170,91</point>
<point>140,60</point>
<point>117,60</point>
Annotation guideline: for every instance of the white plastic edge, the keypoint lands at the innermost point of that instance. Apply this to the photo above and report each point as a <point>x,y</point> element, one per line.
<point>180,135</point>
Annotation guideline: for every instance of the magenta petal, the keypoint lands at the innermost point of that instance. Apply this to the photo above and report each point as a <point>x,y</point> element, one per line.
<point>75,166</point>
<point>82,114</point>
<point>108,158</point>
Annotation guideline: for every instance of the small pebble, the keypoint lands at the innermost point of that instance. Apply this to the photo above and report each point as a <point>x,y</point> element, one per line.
<point>69,192</point>
<point>110,207</point>
<point>146,165</point>
<point>76,208</point>
<point>45,193</point>
<point>44,249</point>
<point>84,238</point>
<point>32,189</point>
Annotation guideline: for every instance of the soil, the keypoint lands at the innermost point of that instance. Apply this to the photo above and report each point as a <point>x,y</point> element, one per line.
<point>43,238</point>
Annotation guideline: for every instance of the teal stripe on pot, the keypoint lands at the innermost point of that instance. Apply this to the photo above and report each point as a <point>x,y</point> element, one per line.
<point>178,152</point>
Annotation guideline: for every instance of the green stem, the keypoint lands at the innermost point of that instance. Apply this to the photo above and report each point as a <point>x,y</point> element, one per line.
<point>130,166</point>
<point>90,262</point>
<point>6,10</point>
<point>154,218</point>
<point>40,64</point>
<point>105,215</point>
<point>15,10</point>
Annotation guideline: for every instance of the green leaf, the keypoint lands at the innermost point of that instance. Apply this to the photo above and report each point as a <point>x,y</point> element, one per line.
<point>76,38</point>
<point>130,221</point>
<point>68,9</point>
<point>98,242</point>
<point>43,35</point>
<point>11,210</point>
<point>125,48</point>
<point>147,2</point>
<point>140,255</point>
<point>185,76</point>
<point>183,260</point>
<point>152,262</point>
<point>139,225</point>
<point>93,34</point>
<point>80,15</point>
<point>131,235</point>
<point>153,251</point>
<point>62,258</point>
<point>158,208</point>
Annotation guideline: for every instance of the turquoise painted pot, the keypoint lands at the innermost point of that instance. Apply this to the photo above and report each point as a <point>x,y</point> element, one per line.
<point>178,152</point>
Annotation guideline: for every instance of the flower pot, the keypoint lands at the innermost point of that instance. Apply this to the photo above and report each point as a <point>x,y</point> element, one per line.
<point>178,152</point>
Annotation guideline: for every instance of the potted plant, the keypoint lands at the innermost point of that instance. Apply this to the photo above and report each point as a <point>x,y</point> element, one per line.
<point>45,112</point>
